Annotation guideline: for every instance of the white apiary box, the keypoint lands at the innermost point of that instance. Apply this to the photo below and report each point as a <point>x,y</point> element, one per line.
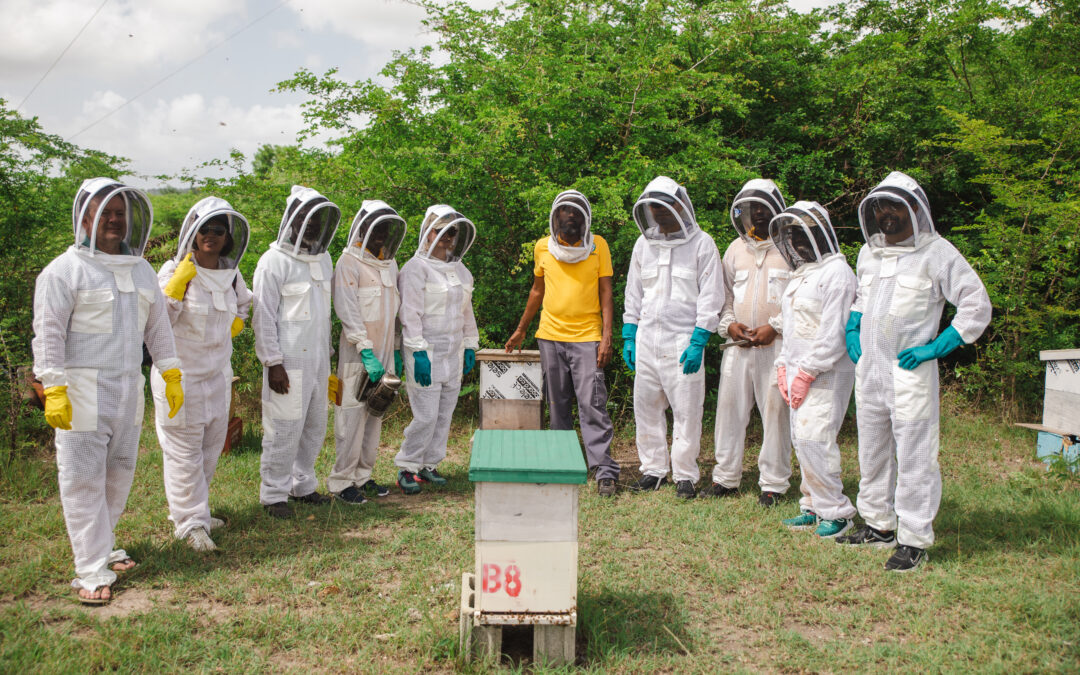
<point>511,389</point>
<point>1061,402</point>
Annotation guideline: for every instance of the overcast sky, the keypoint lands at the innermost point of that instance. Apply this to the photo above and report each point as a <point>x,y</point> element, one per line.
<point>218,102</point>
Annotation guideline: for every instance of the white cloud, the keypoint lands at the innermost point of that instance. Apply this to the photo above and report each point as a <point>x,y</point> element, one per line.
<point>389,24</point>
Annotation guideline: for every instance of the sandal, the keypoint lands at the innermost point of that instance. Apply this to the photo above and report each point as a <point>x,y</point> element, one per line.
<point>115,566</point>
<point>94,601</point>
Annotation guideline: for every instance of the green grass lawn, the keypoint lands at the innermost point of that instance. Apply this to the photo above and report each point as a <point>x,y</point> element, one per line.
<point>665,586</point>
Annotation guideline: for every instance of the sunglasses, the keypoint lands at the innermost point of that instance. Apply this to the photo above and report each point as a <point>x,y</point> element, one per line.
<point>214,229</point>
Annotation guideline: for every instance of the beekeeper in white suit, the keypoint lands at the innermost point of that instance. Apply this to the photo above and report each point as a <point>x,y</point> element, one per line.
<point>366,300</point>
<point>813,372</point>
<point>906,274</point>
<point>208,302</point>
<point>95,306</point>
<point>674,295</point>
<point>440,339</point>
<point>291,321</point>
<point>755,276</point>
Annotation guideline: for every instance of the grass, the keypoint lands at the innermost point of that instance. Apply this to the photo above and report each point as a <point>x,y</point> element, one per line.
<point>664,586</point>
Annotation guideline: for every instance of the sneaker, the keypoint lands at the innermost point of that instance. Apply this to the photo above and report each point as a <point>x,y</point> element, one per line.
<point>279,510</point>
<point>769,499</point>
<point>352,495</point>
<point>649,483</point>
<point>605,487</point>
<point>868,537</point>
<point>373,489</point>
<point>718,490</point>
<point>409,482</point>
<point>431,476</point>
<point>906,558</point>
<point>806,520</point>
<point>215,523</point>
<point>199,539</point>
<point>827,529</point>
<point>311,498</point>
<point>684,489</point>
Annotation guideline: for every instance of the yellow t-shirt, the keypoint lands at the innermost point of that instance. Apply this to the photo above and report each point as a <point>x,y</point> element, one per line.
<point>571,310</point>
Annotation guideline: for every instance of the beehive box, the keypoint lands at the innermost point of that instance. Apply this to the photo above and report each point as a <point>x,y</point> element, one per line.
<point>1061,402</point>
<point>526,525</point>
<point>511,389</point>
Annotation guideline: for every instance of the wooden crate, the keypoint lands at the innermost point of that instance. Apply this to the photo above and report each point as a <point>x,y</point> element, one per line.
<point>1061,402</point>
<point>511,389</point>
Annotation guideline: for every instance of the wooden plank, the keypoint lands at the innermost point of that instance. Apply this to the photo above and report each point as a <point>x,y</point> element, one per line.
<point>553,645</point>
<point>1059,354</point>
<point>1042,427</point>
<point>496,413</point>
<point>523,356</point>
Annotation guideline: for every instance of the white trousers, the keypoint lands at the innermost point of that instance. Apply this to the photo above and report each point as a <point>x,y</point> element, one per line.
<point>95,471</point>
<point>426,436</point>
<point>294,427</point>
<point>748,376</point>
<point>190,453</point>
<point>356,438</point>
<point>814,426</point>
<point>659,383</point>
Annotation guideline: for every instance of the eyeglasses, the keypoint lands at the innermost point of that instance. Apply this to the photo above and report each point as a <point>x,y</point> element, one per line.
<point>214,229</point>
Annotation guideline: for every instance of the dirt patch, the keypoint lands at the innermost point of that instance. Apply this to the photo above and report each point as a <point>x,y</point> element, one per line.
<point>814,633</point>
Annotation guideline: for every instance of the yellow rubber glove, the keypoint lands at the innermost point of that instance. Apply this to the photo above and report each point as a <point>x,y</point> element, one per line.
<point>183,275</point>
<point>58,408</point>
<point>237,326</point>
<point>333,390</point>
<point>174,392</point>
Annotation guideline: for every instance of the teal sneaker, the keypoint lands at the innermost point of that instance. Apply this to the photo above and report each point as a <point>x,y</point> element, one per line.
<point>804,521</point>
<point>431,476</point>
<point>830,529</point>
<point>408,482</point>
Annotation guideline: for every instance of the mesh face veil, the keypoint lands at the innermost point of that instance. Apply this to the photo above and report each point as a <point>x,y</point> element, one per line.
<point>757,203</point>
<point>208,217</point>
<point>377,231</point>
<point>309,222</point>
<point>803,234</point>
<point>571,219</point>
<point>110,217</point>
<point>664,214</point>
<point>896,213</point>
<point>445,235</point>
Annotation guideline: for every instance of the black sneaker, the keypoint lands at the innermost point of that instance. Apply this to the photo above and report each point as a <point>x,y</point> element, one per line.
<point>352,495</point>
<point>718,490</point>
<point>605,487</point>
<point>372,489</point>
<point>684,489</point>
<point>280,510</point>
<point>868,537</point>
<point>649,483</point>
<point>769,499</point>
<point>311,498</point>
<point>905,559</point>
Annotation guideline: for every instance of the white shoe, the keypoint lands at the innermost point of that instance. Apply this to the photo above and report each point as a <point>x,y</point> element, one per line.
<point>199,539</point>
<point>215,523</point>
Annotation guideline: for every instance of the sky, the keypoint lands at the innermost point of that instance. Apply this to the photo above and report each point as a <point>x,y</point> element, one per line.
<point>218,101</point>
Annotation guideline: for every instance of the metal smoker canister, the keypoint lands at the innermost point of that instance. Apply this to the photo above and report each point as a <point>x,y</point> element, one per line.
<point>380,395</point>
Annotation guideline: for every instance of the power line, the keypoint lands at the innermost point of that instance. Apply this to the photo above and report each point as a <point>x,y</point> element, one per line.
<point>175,72</point>
<point>61,55</point>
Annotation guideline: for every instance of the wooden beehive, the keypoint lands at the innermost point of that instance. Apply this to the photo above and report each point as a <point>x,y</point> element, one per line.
<point>511,389</point>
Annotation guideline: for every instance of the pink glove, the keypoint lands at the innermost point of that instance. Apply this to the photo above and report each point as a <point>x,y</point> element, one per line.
<point>800,387</point>
<point>781,382</point>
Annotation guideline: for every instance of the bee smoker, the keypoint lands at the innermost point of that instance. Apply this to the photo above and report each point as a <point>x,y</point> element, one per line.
<point>378,396</point>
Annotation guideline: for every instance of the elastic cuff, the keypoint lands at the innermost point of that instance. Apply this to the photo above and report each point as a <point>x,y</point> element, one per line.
<point>418,344</point>
<point>167,364</point>
<point>270,363</point>
<point>53,377</point>
<point>472,343</point>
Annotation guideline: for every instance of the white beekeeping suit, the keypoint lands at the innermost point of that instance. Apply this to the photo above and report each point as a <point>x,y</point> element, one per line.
<point>93,311</point>
<point>815,310</point>
<point>436,318</point>
<point>674,295</point>
<point>291,319</point>
<point>906,274</point>
<point>755,276</point>
<point>366,300</point>
<point>214,300</point>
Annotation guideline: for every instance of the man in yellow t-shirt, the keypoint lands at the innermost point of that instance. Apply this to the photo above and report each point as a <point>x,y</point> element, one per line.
<point>572,280</point>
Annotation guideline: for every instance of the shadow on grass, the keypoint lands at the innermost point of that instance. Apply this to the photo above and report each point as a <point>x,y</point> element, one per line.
<point>615,623</point>
<point>1048,527</point>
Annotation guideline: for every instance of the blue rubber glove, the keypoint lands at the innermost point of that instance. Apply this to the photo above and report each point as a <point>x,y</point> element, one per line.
<point>941,346</point>
<point>629,335</point>
<point>421,369</point>
<point>695,351</point>
<point>372,365</point>
<point>399,363</point>
<point>851,336</point>
<point>470,361</point>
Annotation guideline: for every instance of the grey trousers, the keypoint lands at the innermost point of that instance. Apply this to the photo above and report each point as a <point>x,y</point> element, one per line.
<point>570,370</point>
